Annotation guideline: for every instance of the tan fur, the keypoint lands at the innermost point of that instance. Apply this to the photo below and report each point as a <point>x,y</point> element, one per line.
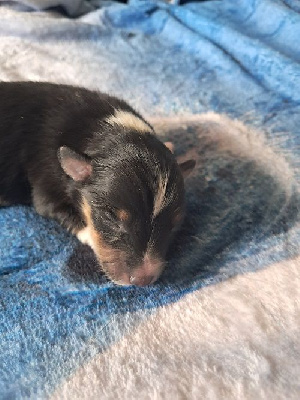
<point>90,236</point>
<point>128,120</point>
<point>123,215</point>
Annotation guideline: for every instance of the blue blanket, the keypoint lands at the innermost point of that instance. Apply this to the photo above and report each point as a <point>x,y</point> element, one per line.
<point>168,60</point>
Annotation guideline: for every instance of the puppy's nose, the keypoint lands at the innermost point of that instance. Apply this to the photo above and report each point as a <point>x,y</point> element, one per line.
<point>148,272</point>
<point>142,280</point>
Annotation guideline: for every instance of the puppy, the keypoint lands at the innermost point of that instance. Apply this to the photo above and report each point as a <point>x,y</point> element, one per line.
<point>94,164</point>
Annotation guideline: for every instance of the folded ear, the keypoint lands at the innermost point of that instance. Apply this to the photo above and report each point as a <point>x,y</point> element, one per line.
<point>75,165</point>
<point>170,146</point>
<point>187,167</point>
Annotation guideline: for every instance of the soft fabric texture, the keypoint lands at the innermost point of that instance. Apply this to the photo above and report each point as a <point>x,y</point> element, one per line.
<point>235,340</point>
<point>223,321</point>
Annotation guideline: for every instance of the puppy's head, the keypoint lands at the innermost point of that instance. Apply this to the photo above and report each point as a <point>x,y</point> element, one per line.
<point>132,192</point>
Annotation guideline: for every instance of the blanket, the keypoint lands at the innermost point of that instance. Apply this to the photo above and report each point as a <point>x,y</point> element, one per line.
<point>221,80</point>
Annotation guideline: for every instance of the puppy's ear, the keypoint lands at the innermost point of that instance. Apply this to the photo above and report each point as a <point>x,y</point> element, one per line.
<point>170,146</point>
<point>187,167</point>
<point>75,165</point>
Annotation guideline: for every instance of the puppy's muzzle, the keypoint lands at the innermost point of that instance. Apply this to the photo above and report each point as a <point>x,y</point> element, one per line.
<point>146,273</point>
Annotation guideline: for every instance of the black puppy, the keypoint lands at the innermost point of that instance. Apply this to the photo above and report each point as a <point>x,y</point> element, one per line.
<point>94,164</point>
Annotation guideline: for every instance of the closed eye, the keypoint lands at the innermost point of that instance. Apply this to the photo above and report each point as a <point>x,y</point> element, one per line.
<point>108,214</point>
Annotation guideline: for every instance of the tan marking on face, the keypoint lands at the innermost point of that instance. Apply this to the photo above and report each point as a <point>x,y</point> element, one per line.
<point>123,215</point>
<point>160,196</point>
<point>90,236</point>
<point>128,120</point>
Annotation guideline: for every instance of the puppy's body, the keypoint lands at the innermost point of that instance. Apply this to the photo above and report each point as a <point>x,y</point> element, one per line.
<point>94,164</point>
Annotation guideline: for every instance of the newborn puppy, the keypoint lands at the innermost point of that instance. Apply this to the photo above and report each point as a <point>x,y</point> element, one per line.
<point>94,164</point>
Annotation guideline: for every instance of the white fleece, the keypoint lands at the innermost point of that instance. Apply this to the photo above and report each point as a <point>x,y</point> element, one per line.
<point>235,340</point>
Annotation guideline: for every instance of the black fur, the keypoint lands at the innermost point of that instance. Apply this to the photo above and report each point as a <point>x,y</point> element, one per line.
<point>38,119</point>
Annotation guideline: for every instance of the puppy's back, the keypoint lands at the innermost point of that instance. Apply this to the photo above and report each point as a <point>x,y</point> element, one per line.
<point>32,116</point>
<point>35,119</point>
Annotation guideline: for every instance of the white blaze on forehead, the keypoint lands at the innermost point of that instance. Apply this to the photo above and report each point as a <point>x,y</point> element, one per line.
<point>160,199</point>
<point>128,120</point>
